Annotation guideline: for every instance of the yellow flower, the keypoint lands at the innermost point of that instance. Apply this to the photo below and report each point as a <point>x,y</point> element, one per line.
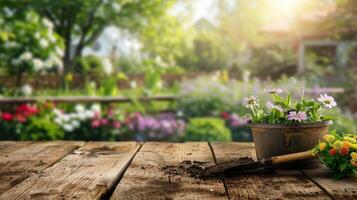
<point>225,76</point>
<point>330,139</point>
<point>349,139</point>
<point>354,156</point>
<point>347,144</point>
<point>122,76</point>
<point>322,146</point>
<point>69,77</point>
<point>353,146</point>
<point>337,145</point>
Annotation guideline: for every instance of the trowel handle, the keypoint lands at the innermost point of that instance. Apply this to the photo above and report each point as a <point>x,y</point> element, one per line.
<point>292,157</point>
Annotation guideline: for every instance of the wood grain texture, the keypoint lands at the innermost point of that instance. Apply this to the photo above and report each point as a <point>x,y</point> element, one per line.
<point>87,173</point>
<point>339,189</point>
<point>146,177</point>
<point>18,160</point>
<point>287,184</point>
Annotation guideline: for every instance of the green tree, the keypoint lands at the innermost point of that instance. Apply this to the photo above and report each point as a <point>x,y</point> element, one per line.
<point>166,38</point>
<point>80,22</point>
<point>28,44</point>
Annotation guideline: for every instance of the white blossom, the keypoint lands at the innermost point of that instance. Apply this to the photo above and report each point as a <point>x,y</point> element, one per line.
<point>107,67</point>
<point>26,56</point>
<point>68,127</point>
<point>251,101</point>
<point>133,84</point>
<point>96,108</point>
<point>82,116</point>
<point>58,121</point>
<point>26,90</point>
<point>65,117</point>
<point>89,114</point>
<point>51,37</point>
<point>43,43</point>
<point>37,35</point>
<point>59,51</point>
<point>327,101</point>
<point>75,123</point>
<point>47,23</point>
<point>79,108</point>
<point>274,106</point>
<point>37,64</point>
<point>57,112</point>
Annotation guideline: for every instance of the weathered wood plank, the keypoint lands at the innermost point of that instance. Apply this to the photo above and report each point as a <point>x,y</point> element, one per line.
<point>18,160</point>
<point>280,184</point>
<point>155,173</point>
<point>87,173</point>
<point>338,189</point>
<point>10,146</point>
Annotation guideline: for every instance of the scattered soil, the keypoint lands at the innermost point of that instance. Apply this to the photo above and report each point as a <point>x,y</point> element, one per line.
<point>187,167</point>
<point>193,168</point>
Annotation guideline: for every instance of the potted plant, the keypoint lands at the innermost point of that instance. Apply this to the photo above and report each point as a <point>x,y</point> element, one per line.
<point>285,126</point>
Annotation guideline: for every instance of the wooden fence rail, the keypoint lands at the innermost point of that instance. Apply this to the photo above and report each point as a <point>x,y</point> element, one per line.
<point>98,99</point>
<point>83,99</point>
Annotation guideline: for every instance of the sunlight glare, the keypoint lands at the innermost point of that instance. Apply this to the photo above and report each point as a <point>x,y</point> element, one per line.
<point>285,6</point>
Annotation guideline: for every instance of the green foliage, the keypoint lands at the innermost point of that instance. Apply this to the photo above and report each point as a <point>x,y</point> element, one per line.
<point>41,128</point>
<point>204,97</point>
<point>166,38</point>
<point>28,44</point>
<point>88,64</point>
<point>208,53</point>
<point>342,123</point>
<point>85,20</point>
<point>208,129</point>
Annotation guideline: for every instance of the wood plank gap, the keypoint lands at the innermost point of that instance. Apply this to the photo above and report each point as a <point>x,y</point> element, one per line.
<point>215,162</point>
<point>109,193</point>
<point>318,185</point>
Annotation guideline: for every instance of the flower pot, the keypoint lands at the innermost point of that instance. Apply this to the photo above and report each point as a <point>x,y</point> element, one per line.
<point>278,139</point>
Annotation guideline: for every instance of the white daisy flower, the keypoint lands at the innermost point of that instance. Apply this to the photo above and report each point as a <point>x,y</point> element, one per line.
<point>327,101</point>
<point>273,106</point>
<point>251,101</point>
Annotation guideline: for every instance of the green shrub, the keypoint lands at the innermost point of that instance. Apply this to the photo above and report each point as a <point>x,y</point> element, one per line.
<point>90,63</point>
<point>207,129</point>
<point>342,123</point>
<point>42,128</point>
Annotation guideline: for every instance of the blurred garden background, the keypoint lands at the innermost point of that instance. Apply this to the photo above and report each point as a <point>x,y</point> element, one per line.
<point>172,70</point>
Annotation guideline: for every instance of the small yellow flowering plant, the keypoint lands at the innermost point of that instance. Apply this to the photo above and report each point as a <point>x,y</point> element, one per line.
<point>339,154</point>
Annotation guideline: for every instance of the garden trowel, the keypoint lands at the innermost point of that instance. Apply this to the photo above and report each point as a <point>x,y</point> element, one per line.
<point>237,166</point>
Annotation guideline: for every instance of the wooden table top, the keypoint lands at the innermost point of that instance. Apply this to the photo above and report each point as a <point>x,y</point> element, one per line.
<point>151,170</point>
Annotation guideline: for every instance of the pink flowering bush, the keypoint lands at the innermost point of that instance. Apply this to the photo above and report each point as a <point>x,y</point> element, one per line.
<point>283,109</point>
<point>164,126</point>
